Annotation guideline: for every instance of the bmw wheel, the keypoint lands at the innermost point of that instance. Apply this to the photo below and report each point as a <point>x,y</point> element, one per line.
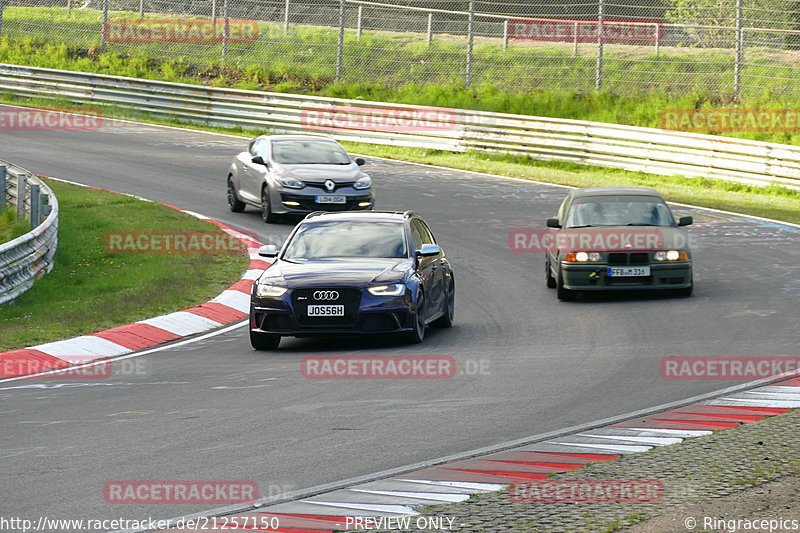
<point>551,281</point>
<point>564,293</point>
<point>235,205</point>
<point>266,207</point>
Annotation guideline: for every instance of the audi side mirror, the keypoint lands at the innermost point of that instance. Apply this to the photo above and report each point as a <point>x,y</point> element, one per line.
<point>429,250</point>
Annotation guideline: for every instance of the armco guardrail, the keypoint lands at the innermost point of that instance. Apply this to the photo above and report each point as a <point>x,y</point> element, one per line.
<point>30,256</point>
<point>593,143</point>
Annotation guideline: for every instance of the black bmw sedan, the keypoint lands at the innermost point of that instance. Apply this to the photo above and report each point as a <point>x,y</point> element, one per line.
<point>353,273</point>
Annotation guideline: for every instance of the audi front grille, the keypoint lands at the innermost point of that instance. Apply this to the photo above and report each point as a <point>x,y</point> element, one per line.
<point>349,297</point>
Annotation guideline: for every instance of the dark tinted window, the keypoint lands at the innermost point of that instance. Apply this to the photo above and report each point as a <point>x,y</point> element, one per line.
<point>314,151</point>
<point>619,211</point>
<point>348,239</point>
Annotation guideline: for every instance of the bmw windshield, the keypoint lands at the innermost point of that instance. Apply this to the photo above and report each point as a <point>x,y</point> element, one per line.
<point>336,240</point>
<point>595,211</point>
<point>309,152</point>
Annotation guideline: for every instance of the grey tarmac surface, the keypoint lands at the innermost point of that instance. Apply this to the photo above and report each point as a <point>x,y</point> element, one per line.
<point>216,409</point>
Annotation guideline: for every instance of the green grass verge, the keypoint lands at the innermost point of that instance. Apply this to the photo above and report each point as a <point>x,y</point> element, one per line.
<point>10,226</point>
<point>90,289</point>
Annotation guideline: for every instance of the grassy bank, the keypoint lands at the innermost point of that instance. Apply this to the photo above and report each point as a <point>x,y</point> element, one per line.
<point>10,226</point>
<point>90,289</point>
<point>529,78</point>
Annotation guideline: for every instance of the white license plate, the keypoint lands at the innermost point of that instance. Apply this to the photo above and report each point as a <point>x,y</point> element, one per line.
<point>626,272</point>
<point>325,310</point>
<point>330,199</point>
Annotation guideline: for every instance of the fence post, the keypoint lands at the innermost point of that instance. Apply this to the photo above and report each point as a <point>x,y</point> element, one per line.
<point>358,27</point>
<point>225,30</point>
<point>286,17</point>
<point>214,14</point>
<point>2,188</point>
<point>105,26</point>
<point>658,36</point>
<point>340,46</point>
<point>505,35</point>
<point>22,182</point>
<point>430,27</point>
<point>575,40</point>
<point>737,67</point>
<point>69,7</point>
<point>470,35</point>
<point>141,9</point>
<point>2,6</point>
<point>598,77</point>
<point>34,205</point>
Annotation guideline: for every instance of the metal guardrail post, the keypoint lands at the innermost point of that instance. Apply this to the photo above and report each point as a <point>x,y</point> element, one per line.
<point>105,26</point>
<point>340,45</point>
<point>598,77</point>
<point>470,35</point>
<point>3,171</point>
<point>737,67</point>
<point>35,199</point>
<point>22,184</point>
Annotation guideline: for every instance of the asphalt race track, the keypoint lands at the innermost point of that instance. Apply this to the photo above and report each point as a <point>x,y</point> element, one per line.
<point>217,410</point>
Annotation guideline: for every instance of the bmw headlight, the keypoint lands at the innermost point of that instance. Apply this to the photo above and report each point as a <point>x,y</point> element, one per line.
<point>671,255</point>
<point>265,290</point>
<point>291,183</point>
<point>396,289</point>
<point>364,182</point>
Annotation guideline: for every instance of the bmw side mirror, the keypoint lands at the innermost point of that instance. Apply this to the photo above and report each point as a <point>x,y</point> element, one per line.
<point>686,221</point>
<point>360,161</point>
<point>258,160</point>
<point>268,250</point>
<point>553,223</point>
<point>428,250</point>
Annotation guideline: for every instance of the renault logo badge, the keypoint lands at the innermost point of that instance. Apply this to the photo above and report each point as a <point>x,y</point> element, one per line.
<point>330,185</point>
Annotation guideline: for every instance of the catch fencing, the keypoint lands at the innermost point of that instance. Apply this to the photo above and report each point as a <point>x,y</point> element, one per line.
<point>723,48</point>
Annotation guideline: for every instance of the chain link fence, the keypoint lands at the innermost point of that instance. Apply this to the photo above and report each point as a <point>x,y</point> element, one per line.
<point>717,47</point>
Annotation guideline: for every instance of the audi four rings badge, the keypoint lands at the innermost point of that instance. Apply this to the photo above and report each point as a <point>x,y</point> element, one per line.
<point>326,295</point>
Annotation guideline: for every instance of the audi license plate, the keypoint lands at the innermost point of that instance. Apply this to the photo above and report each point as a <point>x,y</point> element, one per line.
<point>325,310</point>
<point>331,199</point>
<point>627,272</point>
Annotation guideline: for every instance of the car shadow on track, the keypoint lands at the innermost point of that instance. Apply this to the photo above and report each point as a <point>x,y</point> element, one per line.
<point>344,343</point>
<point>628,296</point>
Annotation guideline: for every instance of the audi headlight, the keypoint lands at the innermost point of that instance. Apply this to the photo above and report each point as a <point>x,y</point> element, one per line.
<point>264,290</point>
<point>364,182</point>
<point>291,183</point>
<point>395,289</point>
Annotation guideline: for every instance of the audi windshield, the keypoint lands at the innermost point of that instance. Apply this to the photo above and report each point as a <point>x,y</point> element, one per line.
<point>594,211</point>
<point>309,152</point>
<point>336,240</point>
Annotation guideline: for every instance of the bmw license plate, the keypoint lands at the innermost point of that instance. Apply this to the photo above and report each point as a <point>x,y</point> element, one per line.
<point>325,310</point>
<point>330,199</point>
<point>627,272</point>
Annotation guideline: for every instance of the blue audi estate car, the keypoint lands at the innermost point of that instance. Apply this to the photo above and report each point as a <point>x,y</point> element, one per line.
<point>351,273</point>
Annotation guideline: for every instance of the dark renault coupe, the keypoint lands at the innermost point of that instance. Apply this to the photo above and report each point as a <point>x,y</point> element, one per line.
<point>353,273</point>
<point>613,238</point>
